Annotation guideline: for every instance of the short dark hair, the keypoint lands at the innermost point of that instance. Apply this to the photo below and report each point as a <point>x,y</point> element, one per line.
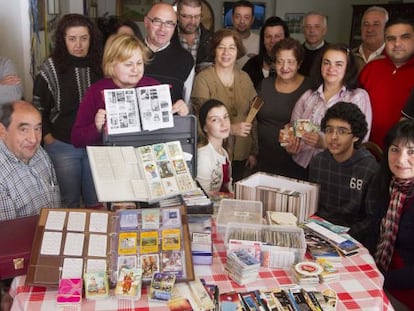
<point>7,109</point>
<point>6,112</point>
<point>242,3</point>
<point>191,3</point>
<point>271,22</point>
<point>290,44</point>
<point>350,113</point>
<point>402,131</point>
<point>226,32</point>
<point>351,71</point>
<point>400,20</point>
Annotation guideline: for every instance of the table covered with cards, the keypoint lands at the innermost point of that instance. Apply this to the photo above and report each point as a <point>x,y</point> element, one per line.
<point>358,288</point>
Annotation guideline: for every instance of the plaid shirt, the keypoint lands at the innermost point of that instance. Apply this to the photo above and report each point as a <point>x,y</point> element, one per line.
<point>193,48</point>
<point>26,188</point>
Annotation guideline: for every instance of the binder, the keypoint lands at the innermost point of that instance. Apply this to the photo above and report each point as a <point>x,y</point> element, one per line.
<point>184,130</point>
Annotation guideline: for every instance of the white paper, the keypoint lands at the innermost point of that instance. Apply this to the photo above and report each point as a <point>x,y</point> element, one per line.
<point>74,244</point>
<point>51,243</point>
<point>72,268</point>
<point>95,265</point>
<point>55,220</point>
<point>76,221</point>
<point>98,222</point>
<point>97,245</point>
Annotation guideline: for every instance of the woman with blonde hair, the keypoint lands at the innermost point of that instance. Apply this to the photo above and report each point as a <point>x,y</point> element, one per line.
<point>123,65</point>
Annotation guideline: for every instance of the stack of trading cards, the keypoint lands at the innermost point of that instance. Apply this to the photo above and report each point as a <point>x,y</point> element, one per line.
<point>242,266</point>
<point>307,273</point>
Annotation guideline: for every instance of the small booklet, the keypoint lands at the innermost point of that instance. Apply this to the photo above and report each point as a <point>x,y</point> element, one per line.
<point>96,285</point>
<point>162,285</point>
<point>69,291</point>
<point>134,110</point>
<point>129,283</point>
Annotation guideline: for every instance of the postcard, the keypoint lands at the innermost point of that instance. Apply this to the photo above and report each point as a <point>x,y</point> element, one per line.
<point>149,264</point>
<point>129,283</point>
<point>171,217</point>
<point>161,287</point>
<point>76,221</point>
<point>97,245</point>
<point>172,261</point>
<point>98,222</point>
<point>51,243</point>
<point>171,239</point>
<point>127,243</point>
<point>96,285</point>
<point>150,218</point>
<point>128,219</point>
<point>149,242</point>
<point>72,268</point>
<point>95,265</point>
<point>74,244</point>
<point>55,220</point>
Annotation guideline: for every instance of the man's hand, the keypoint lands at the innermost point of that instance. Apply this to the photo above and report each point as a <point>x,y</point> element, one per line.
<point>10,80</point>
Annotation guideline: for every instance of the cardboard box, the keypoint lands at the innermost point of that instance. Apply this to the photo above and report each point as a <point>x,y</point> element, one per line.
<point>280,194</point>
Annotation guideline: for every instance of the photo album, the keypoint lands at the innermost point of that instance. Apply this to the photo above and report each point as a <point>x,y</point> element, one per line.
<point>147,173</point>
<point>135,110</point>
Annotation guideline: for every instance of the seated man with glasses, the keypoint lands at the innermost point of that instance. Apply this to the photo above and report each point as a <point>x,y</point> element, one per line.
<point>344,171</point>
<point>170,62</point>
<point>191,33</point>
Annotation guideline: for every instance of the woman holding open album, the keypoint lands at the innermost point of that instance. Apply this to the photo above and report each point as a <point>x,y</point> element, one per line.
<point>213,163</point>
<point>123,66</point>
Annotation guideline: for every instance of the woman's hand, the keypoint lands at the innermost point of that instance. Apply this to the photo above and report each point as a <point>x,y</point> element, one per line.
<point>313,139</point>
<point>180,107</point>
<point>100,118</point>
<point>241,129</point>
<point>293,147</point>
<point>251,162</point>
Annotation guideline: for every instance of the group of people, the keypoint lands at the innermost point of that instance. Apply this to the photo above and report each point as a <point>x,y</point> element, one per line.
<point>350,96</point>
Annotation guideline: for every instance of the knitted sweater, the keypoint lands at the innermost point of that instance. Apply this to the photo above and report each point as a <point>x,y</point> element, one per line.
<point>58,94</point>
<point>344,195</point>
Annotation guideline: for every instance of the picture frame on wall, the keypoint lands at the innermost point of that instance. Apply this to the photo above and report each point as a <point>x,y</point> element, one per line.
<point>134,9</point>
<point>294,22</point>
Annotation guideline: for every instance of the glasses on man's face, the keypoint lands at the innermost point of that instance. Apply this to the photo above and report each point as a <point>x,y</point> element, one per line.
<point>188,16</point>
<point>158,22</point>
<point>340,131</point>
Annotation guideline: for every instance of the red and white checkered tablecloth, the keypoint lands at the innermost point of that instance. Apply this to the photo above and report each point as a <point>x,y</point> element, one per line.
<point>359,287</point>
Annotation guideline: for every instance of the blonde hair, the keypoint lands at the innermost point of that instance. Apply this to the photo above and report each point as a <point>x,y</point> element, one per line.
<point>120,47</point>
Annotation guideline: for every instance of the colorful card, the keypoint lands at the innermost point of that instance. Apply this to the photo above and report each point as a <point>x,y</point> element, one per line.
<point>150,218</point>
<point>171,217</point>
<point>149,264</point>
<point>69,291</point>
<point>171,239</point>
<point>172,261</point>
<point>129,283</point>
<point>149,242</point>
<point>127,243</point>
<point>96,285</point>
<point>128,220</point>
<point>161,287</point>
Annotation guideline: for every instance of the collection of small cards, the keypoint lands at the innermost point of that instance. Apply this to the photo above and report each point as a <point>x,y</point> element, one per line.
<point>165,169</point>
<point>151,240</point>
<point>296,129</point>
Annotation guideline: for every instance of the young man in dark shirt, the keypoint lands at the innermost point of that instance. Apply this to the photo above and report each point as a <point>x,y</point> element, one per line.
<point>344,171</point>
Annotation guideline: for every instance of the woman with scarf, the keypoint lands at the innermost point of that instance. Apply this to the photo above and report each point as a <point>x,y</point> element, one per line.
<point>394,252</point>
<point>74,64</point>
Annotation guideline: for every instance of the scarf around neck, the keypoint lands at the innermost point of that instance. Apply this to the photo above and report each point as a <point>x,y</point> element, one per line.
<point>400,190</point>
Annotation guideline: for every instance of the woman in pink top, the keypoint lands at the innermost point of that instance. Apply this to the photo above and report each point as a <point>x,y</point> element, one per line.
<point>336,76</point>
<point>123,66</point>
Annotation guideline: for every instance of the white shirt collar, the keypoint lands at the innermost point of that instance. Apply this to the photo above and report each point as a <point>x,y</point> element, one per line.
<point>371,56</point>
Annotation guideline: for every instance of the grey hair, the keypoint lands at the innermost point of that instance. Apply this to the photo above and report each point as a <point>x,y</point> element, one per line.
<point>376,8</point>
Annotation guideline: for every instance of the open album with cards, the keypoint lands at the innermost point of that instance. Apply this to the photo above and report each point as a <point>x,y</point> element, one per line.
<point>147,173</point>
<point>134,110</point>
<point>106,249</point>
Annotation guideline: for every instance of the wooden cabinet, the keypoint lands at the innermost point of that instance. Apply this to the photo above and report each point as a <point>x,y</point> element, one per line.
<point>394,10</point>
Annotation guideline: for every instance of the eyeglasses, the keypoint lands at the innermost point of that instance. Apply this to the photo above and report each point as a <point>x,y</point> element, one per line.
<point>157,22</point>
<point>340,131</point>
<point>188,16</point>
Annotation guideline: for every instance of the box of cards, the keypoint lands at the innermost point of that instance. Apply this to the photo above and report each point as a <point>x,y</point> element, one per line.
<point>280,194</point>
<point>237,211</point>
<point>280,246</point>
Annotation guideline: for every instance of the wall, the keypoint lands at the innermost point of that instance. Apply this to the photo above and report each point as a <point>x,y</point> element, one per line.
<point>15,38</point>
<point>15,25</point>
